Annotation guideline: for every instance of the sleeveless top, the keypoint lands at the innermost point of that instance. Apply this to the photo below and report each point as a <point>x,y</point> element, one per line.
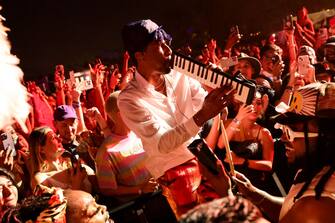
<point>249,149</point>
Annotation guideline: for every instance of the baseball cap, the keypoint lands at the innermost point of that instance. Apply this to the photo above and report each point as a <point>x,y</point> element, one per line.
<point>137,35</point>
<point>64,112</point>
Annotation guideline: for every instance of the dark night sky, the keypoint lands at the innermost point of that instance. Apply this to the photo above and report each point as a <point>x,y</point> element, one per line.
<point>72,32</point>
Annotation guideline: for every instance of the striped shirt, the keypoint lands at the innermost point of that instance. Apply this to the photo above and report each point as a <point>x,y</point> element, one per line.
<point>121,162</point>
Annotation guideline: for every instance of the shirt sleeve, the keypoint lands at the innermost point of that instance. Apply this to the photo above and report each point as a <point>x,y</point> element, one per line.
<point>155,135</point>
<point>105,173</point>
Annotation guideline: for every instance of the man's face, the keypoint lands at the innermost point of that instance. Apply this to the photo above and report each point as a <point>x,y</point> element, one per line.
<point>85,209</point>
<point>293,137</point>
<point>330,54</point>
<point>156,57</point>
<point>269,59</point>
<point>67,129</point>
<point>8,192</point>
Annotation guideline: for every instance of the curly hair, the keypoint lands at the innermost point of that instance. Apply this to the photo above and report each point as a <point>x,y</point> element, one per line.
<point>224,210</point>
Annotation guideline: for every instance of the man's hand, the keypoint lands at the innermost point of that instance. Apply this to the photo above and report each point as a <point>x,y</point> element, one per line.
<point>214,103</point>
<point>243,184</point>
<point>220,182</point>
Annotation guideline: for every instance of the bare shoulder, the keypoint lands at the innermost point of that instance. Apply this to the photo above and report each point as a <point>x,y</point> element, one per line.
<point>309,209</point>
<point>265,133</point>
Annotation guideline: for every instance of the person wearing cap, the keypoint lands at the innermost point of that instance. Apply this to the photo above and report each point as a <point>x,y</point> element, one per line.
<point>308,133</point>
<point>66,122</point>
<point>166,109</point>
<point>249,67</point>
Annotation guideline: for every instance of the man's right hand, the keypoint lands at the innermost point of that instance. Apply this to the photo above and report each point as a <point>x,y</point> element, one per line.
<point>214,103</point>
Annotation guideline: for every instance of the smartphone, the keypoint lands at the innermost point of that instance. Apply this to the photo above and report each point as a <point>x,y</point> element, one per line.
<point>204,154</point>
<point>75,162</point>
<point>288,22</point>
<point>82,80</point>
<point>8,142</point>
<point>303,64</point>
<point>228,62</point>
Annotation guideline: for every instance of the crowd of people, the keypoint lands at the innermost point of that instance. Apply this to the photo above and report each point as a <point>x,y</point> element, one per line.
<point>127,134</point>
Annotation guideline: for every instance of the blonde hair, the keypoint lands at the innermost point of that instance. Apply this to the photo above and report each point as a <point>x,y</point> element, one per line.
<point>111,105</point>
<point>37,139</point>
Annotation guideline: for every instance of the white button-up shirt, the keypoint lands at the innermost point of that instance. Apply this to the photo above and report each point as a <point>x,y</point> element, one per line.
<point>164,123</point>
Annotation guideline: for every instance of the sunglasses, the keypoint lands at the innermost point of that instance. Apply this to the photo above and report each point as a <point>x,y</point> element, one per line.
<point>291,135</point>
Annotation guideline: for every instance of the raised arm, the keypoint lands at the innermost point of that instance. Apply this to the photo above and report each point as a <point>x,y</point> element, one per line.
<point>270,205</point>
<point>161,136</point>
<point>59,83</point>
<point>97,90</point>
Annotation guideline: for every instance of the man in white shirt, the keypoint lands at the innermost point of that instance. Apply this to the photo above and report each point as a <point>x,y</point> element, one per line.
<point>166,109</point>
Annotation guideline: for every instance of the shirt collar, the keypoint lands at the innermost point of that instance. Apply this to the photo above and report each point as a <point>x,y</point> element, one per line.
<point>142,82</point>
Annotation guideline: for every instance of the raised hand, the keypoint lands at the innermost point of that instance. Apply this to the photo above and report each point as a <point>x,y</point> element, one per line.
<point>278,69</point>
<point>59,77</point>
<point>114,79</point>
<point>214,103</point>
<point>97,73</point>
<point>233,38</point>
<point>244,111</point>
<point>221,182</point>
<point>7,158</point>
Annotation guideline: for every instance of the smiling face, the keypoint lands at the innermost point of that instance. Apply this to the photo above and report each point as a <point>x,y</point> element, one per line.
<point>8,192</point>
<point>82,208</point>
<point>293,137</point>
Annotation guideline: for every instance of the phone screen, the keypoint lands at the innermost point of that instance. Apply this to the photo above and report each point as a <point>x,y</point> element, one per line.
<point>8,142</point>
<point>303,64</point>
<point>204,154</point>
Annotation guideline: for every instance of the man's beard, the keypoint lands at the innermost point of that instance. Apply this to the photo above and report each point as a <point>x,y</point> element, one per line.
<point>166,68</point>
